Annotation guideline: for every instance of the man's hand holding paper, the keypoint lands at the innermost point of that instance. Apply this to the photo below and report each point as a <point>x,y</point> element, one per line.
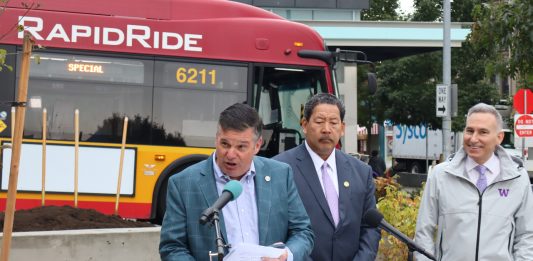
<point>251,252</point>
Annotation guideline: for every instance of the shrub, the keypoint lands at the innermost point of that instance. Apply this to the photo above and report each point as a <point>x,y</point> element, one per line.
<point>400,209</point>
<point>381,185</point>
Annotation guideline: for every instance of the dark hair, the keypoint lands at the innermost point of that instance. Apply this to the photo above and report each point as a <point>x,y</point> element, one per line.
<point>239,117</point>
<point>323,98</point>
<point>374,153</point>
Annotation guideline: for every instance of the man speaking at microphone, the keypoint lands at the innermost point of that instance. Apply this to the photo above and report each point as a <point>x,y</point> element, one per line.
<point>269,209</point>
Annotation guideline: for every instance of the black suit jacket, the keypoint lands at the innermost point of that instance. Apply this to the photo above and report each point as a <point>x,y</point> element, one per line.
<point>352,239</point>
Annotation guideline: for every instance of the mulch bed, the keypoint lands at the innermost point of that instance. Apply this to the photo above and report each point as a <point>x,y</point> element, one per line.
<point>65,218</point>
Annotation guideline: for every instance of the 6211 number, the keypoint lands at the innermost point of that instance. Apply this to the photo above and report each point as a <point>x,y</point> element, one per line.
<point>195,76</point>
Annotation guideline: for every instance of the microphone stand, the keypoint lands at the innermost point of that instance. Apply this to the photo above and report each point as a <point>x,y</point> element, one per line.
<point>410,254</point>
<point>219,240</point>
<point>215,220</point>
<point>411,245</point>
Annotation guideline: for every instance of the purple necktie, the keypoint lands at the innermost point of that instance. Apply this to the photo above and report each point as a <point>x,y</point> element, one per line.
<point>331,194</point>
<point>482,180</point>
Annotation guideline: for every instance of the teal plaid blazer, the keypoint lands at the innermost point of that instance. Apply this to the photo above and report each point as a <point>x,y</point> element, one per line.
<point>281,218</point>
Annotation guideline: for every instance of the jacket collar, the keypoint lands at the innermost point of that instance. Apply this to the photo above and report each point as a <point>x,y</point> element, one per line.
<point>343,175</point>
<point>308,171</point>
<point>508,168</point>
<point>263,192</point>
<point>209,189</point>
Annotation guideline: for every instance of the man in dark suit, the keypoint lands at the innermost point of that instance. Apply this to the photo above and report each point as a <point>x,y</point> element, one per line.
<point>377,164</point>
<point>336,188</point>
<point>268,211</point>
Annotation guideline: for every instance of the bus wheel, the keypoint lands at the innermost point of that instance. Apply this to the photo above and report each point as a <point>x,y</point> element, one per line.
<point>161,203</point>
<point>176,167</point>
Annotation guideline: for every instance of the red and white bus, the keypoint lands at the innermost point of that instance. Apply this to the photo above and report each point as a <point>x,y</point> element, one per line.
<point>170,66</point>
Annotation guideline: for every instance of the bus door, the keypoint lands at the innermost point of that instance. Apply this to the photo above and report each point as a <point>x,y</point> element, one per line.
<point>280,93</point>
<point>7,90</point>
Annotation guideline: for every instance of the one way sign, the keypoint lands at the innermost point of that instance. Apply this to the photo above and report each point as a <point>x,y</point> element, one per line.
<point>443,100</point>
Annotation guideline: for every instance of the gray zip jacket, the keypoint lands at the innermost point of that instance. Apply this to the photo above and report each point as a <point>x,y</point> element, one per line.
<point>468,225</point>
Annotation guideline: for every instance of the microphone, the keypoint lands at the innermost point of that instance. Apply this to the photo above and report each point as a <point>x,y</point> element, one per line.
<point>231,191</point>
<point>375,219</point>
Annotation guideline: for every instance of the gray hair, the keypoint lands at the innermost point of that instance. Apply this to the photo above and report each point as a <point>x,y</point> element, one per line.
<point>485,108</point>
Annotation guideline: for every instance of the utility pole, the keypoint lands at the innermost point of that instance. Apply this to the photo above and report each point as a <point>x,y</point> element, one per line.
<point>447,78</point>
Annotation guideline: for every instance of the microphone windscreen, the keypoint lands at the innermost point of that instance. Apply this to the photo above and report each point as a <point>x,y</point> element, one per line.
<point>234,187</point>
<point>373,217</point>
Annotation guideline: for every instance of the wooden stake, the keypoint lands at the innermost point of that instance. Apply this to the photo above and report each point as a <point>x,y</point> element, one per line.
<point>121,162</point>
<point>43,178</point>
<point>76,154</point>
<point>16,146</point>
<point>13,121</point>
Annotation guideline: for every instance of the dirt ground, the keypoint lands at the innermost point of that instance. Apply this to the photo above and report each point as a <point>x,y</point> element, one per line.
<point>66,217</point>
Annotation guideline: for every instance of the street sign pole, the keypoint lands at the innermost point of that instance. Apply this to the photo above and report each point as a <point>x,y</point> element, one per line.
<point>446,77</point>
<point>524,138</point>
<point>523,149</point>
<point>525,102</point>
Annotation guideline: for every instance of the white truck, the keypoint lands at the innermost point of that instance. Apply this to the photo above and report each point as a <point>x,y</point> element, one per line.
<point>412,145</point>
<point>415,147</point>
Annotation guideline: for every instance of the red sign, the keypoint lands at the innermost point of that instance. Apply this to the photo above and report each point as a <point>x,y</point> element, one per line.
<point>518,101</point>
<point>524,126</point>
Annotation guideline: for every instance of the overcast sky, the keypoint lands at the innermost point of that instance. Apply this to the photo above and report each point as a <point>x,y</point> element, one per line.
<point>406,6</point>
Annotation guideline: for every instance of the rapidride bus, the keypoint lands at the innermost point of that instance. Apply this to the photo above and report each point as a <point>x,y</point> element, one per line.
<point>170,66</point>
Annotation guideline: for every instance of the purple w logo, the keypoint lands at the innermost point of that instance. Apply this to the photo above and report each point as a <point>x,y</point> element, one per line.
<point>503,192</point>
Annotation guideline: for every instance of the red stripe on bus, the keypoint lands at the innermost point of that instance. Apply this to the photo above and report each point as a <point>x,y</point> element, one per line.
<point>125,210</point>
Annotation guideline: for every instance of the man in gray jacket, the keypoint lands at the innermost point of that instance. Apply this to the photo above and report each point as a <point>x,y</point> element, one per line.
<point>479,204</point>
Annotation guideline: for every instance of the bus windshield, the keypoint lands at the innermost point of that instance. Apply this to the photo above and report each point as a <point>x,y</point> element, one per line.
<point>281,93</point>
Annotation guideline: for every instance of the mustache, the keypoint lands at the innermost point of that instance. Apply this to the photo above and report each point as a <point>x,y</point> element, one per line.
<point>325,138</point>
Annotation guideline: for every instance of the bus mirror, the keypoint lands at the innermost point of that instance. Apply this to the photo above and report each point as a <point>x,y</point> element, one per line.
<point>349,56</point>
<point>372,83</point>
<point>358,57</point>
<point>325,56</point>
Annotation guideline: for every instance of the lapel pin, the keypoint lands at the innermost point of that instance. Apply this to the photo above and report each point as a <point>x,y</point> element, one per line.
<point>346,184</point>
<point>267,178</point>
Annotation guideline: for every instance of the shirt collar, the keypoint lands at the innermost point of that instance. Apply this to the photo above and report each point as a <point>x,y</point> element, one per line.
<point>223,178</point>
<point>318,161</point>
<point>493,164</point>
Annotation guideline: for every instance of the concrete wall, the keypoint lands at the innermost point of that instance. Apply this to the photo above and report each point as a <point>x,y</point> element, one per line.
<point>116,244</point>
<point>348,90</point>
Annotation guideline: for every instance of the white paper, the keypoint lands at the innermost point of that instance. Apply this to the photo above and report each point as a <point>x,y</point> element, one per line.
<point>251,252</point>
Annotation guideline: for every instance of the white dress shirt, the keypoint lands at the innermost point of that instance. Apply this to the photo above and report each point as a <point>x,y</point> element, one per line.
<point>332,167</point>
<point>492,165</point>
